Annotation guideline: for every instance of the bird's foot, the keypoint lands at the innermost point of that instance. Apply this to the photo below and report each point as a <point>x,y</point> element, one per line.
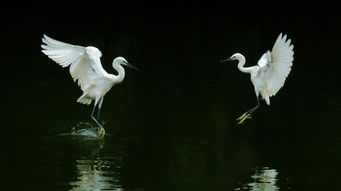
<point>243,117</point>
<point>101,132</point>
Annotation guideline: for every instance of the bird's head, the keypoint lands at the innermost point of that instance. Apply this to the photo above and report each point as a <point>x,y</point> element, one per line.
<point>93,51</point>
<point>122,61</point>
<point>236,56</point>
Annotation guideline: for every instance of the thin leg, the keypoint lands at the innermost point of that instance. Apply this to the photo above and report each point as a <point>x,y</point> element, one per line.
<point>92,116</point>
<point>99,107</point>
<point>101,131</point>
<point>254,108</point>
<point>247,115</point>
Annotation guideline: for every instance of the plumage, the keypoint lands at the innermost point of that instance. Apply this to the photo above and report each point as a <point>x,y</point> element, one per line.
<point>280,66</point>
<point>86,69</point>
<point>84,62</point>
<point>271,71</point>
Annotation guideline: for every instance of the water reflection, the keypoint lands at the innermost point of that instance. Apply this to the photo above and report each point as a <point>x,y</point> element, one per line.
<point>95,172</point>
<point>263,180</point>
<point>96,175</point>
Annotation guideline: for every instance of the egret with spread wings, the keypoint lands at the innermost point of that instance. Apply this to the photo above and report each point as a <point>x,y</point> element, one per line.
<point>85,66</point>
<point>269,75</point>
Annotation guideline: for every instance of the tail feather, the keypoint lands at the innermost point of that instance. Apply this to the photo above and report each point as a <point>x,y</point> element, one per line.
<point>84,100</point>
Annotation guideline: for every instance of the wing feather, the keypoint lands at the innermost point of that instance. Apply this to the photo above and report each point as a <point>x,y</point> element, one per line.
<point>83,67</point>
<point>279,66</point>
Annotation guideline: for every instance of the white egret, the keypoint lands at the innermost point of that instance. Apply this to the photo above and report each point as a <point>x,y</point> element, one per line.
<point>85,66</point>
<point>269,75</point>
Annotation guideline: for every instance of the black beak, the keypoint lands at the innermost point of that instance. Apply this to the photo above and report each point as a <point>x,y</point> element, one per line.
<point>226,60</point>
<point>131,66</point>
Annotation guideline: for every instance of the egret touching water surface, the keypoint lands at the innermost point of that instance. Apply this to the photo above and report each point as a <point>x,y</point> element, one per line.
<point>85,66</point>
<point>269,75</point>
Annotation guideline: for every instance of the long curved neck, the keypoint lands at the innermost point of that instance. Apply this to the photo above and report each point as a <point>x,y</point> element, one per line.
<point>121,73</point>
<point>241,64</point>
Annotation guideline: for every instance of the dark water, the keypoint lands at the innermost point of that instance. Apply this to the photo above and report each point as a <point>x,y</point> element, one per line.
<point>172,125</point>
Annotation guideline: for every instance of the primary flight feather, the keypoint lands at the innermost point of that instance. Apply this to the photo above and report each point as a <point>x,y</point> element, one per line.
<point>86,68</point>
<point>270,73</point>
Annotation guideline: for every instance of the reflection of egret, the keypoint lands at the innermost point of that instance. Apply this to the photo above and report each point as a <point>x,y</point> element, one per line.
<point>85,66</point>
<point>269,75</point>
<point>264,180</point>
<point>96,174</point>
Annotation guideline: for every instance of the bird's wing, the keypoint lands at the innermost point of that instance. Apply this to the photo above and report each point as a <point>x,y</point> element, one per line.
<point>276,66</point>
<point>83,68</point>
<point>265,59</point>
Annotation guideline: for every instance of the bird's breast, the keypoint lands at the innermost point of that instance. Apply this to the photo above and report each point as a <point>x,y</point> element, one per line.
<point>100,88</point>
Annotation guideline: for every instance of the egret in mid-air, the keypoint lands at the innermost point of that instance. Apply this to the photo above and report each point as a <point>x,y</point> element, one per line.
<point>85,66</point>
<point>269,75</point>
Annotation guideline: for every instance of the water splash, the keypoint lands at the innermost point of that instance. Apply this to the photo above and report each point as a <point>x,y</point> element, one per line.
<point>84,129</point>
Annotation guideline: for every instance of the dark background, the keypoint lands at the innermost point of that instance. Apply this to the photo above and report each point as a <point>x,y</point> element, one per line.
<point>186,38</point>
<point>172,124</point>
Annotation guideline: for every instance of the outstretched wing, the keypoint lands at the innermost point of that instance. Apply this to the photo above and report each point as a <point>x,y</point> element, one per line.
<point>275,66</point>
<point>83,67</point>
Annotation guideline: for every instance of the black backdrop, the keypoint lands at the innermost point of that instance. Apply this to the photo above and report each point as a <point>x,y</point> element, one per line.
<point>184,38</point>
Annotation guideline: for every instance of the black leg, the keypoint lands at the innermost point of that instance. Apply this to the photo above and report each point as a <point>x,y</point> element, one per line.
<point>98,112</point>
<point>254,108</point>
<point>99,107</point>
<point>92,116</point>
<point>247,115</point>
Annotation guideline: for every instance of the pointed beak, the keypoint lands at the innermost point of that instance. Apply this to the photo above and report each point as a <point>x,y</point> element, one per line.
<point>226,60</point>
<point>131,66</point>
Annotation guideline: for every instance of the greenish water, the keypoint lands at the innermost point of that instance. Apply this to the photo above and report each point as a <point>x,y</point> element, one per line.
<point>186,142</point>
